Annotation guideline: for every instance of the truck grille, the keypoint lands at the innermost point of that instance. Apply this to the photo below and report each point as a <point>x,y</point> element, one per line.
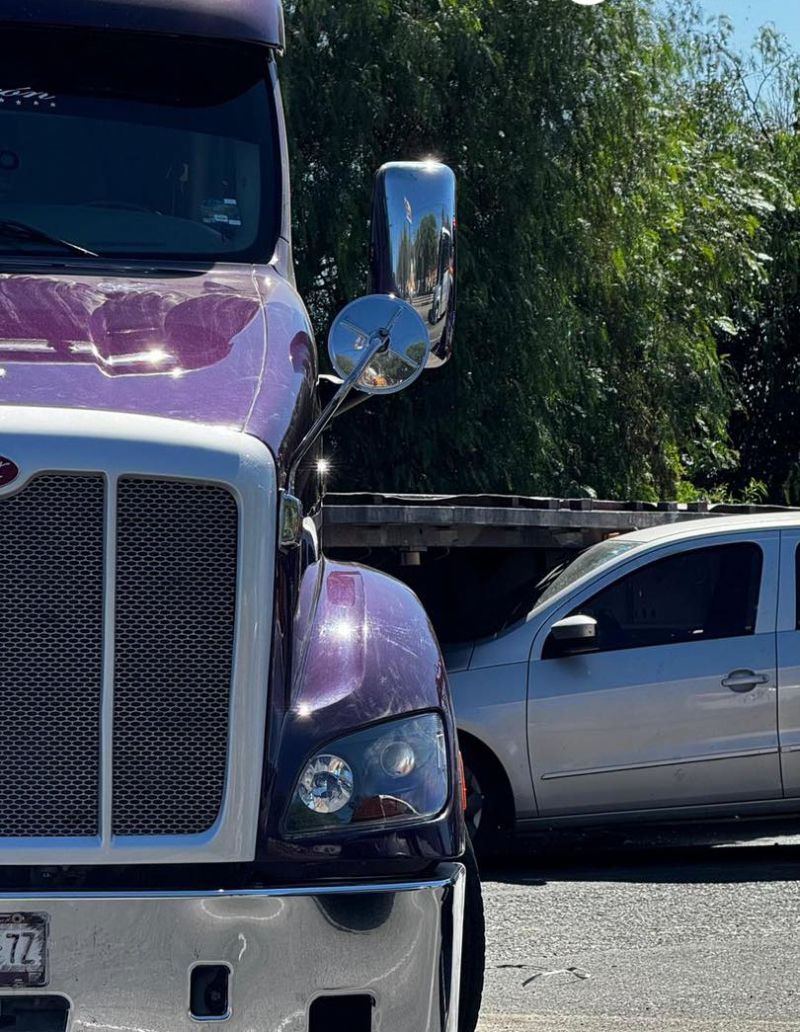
<point>176,601</point>
<point>51,652</point>
<point>173,637</point>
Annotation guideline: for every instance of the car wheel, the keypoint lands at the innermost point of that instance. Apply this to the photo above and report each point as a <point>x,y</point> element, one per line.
<point>486,814</point>
<point>473,952</point>
<point>475,803</point>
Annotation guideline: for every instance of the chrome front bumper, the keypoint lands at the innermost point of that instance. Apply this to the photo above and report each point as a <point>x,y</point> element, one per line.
<point>123,961</point>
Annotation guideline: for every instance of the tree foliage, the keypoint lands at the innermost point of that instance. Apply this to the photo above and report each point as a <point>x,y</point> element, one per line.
<point>622,210</point>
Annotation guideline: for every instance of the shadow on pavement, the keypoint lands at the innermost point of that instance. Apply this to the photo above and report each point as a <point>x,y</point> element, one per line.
<point>758,851</point>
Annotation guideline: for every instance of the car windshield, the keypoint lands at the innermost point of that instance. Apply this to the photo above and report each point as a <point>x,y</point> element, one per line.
<point>127,145</point>
<point>586,562</point>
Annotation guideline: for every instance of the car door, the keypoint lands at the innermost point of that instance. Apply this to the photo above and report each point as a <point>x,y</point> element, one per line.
<point>676,703</point>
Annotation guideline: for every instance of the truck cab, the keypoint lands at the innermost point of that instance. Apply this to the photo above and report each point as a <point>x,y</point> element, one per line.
<point>232,785</point>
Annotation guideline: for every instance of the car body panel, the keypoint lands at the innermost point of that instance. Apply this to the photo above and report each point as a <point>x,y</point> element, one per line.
<point>664,816</point>
<point>510,646</point>
<point>665,733</point>
<point>457,657</point>
<point>491,705</point>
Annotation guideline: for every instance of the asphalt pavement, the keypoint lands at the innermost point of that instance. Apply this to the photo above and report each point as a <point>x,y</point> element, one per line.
<point>674,938</point>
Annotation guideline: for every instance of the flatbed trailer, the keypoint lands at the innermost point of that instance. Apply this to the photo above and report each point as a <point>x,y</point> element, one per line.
<point>474,559</point>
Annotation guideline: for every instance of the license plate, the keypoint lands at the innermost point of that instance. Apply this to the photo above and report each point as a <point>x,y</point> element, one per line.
<point>23,949</point>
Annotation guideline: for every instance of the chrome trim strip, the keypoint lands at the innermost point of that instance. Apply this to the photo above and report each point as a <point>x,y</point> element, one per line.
<point>109,630</point>
<point>790,748</point>
<point>453,874</point>
<point>459,887</point>
<point>743,755</point>
<point>114,444</point>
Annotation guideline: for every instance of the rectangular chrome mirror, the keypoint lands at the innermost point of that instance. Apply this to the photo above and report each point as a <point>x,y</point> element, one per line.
<point>414,245</point>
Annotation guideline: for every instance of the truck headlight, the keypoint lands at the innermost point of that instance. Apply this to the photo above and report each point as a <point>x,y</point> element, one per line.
<point>327,784</point>
<point>395,772</point>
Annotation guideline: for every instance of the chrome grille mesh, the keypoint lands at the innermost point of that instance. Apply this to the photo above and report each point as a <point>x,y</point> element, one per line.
<point>172,647</point>
<point>174,635</point>
<point>51,649</point>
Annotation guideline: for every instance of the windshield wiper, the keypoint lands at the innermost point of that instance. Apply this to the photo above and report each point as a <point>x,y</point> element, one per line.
<point>13,230</point>
<point>541,586</point>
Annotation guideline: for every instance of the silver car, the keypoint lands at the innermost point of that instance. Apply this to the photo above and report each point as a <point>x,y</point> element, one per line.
<point>656,678</point>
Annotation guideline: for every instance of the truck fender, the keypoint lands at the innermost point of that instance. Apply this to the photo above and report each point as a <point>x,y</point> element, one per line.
<point>363,651</point>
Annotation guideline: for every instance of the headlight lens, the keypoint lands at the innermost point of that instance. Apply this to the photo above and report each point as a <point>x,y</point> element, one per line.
<point>326,784</point>
<point>396,772</point>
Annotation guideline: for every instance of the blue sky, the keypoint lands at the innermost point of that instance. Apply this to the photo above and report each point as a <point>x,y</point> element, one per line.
<point>749,15</point>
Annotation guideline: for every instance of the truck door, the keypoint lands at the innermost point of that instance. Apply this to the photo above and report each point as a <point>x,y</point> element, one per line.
<point>789,662</point>
<point>676,704</point>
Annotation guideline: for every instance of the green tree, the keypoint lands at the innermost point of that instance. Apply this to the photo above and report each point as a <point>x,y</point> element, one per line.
<point>611,216</point>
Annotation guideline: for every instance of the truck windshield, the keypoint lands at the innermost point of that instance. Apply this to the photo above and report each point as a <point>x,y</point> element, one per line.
<point>128,145</point>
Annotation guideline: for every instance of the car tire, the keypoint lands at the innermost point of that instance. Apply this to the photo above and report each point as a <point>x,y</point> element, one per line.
<point>483,813</point>
<point>473,951</point>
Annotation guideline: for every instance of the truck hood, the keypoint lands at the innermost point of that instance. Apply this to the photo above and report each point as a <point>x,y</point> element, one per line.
<point>186,345</point>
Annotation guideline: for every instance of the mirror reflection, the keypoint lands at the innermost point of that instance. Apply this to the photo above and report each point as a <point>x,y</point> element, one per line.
<point>414,246</point>
<point>389,328</point>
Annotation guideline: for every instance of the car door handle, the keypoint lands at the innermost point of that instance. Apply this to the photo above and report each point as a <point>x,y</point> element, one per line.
<point>743,680</point>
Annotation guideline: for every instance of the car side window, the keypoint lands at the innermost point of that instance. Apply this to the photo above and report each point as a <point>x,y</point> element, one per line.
<point>696,595</point>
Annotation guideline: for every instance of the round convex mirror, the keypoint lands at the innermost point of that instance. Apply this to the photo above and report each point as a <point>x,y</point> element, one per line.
<point>389,330</point>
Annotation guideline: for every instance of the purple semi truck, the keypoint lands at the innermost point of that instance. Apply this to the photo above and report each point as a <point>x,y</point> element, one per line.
<point>231,782</point>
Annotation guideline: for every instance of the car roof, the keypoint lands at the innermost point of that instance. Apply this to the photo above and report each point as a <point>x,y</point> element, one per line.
<point>251,21</point>
<point>751,522</point>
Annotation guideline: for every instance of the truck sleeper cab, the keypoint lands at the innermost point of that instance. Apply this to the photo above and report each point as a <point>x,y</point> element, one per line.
<point>235,791</point>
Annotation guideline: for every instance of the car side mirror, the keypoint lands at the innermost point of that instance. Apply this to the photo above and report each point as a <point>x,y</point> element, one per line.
<point>572,636</point>
<point>413,252</point>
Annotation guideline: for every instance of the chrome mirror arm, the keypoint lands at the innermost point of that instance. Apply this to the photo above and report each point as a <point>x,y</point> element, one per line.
<point>330,410</point>
<point>396,341</point>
